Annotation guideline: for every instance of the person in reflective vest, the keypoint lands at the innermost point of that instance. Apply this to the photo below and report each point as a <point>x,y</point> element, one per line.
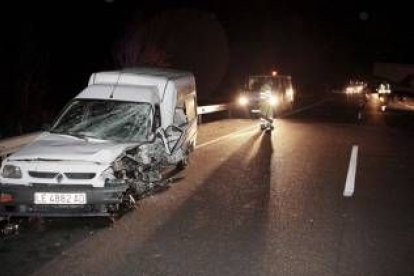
<point>266,108</point>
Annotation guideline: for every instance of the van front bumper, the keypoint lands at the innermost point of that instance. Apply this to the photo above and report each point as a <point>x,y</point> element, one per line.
<point>99,201</point>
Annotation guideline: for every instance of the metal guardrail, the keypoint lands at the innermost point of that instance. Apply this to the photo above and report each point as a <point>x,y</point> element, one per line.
<point>207,109</point>
<point>12,144</point>
<point>211,108</point>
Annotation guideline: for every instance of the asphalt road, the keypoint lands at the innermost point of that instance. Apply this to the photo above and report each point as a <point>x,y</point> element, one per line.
<point>255,203</point>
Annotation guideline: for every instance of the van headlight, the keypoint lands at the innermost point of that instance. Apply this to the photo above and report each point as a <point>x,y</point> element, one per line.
<point>11,171</point>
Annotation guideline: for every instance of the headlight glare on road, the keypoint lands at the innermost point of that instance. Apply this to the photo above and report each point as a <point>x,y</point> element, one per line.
<point>243,100</point>
<point>11,171</point>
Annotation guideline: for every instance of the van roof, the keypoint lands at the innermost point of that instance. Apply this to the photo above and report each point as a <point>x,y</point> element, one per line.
<point>120,93</point>
<point>156,72</point>
<point>140,75</point>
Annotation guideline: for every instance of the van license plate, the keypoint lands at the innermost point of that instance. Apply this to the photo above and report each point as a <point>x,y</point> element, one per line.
<point>60,198</point>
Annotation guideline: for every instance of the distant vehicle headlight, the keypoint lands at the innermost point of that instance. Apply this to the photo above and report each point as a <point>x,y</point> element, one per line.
<point>384,89</point>
<point>11,171</point>
<point>273,101</point>
<point>243,100</point>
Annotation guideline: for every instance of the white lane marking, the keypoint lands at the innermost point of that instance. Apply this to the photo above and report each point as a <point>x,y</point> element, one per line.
<point>350,177</point>
<point>231,135</point>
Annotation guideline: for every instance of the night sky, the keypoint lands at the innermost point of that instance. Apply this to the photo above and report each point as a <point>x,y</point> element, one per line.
<point>49,49</point>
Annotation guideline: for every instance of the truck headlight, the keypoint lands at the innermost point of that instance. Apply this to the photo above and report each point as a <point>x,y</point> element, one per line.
<point>11,171</point>
<point>243,100</point>
<point>273,101</point>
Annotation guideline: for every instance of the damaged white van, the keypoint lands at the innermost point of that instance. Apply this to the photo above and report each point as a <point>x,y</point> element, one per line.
<point>112,143</point>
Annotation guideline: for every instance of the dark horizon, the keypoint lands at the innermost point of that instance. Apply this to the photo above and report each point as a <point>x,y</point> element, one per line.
<point>50,49</point>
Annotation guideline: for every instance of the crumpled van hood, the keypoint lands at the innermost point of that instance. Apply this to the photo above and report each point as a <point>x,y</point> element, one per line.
<point>51,146</point>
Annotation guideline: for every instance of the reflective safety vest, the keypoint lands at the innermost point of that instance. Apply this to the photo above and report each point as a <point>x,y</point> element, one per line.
<point>266,109</point>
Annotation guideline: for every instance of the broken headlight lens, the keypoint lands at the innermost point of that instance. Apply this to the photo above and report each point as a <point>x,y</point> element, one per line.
<point>11,171</point>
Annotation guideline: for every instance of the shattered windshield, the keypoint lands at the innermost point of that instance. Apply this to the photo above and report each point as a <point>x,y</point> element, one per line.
<point>106,120</point>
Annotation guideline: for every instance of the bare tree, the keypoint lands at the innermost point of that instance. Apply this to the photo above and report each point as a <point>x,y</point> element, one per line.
<point>142,45</point>
<point>181,38</point>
